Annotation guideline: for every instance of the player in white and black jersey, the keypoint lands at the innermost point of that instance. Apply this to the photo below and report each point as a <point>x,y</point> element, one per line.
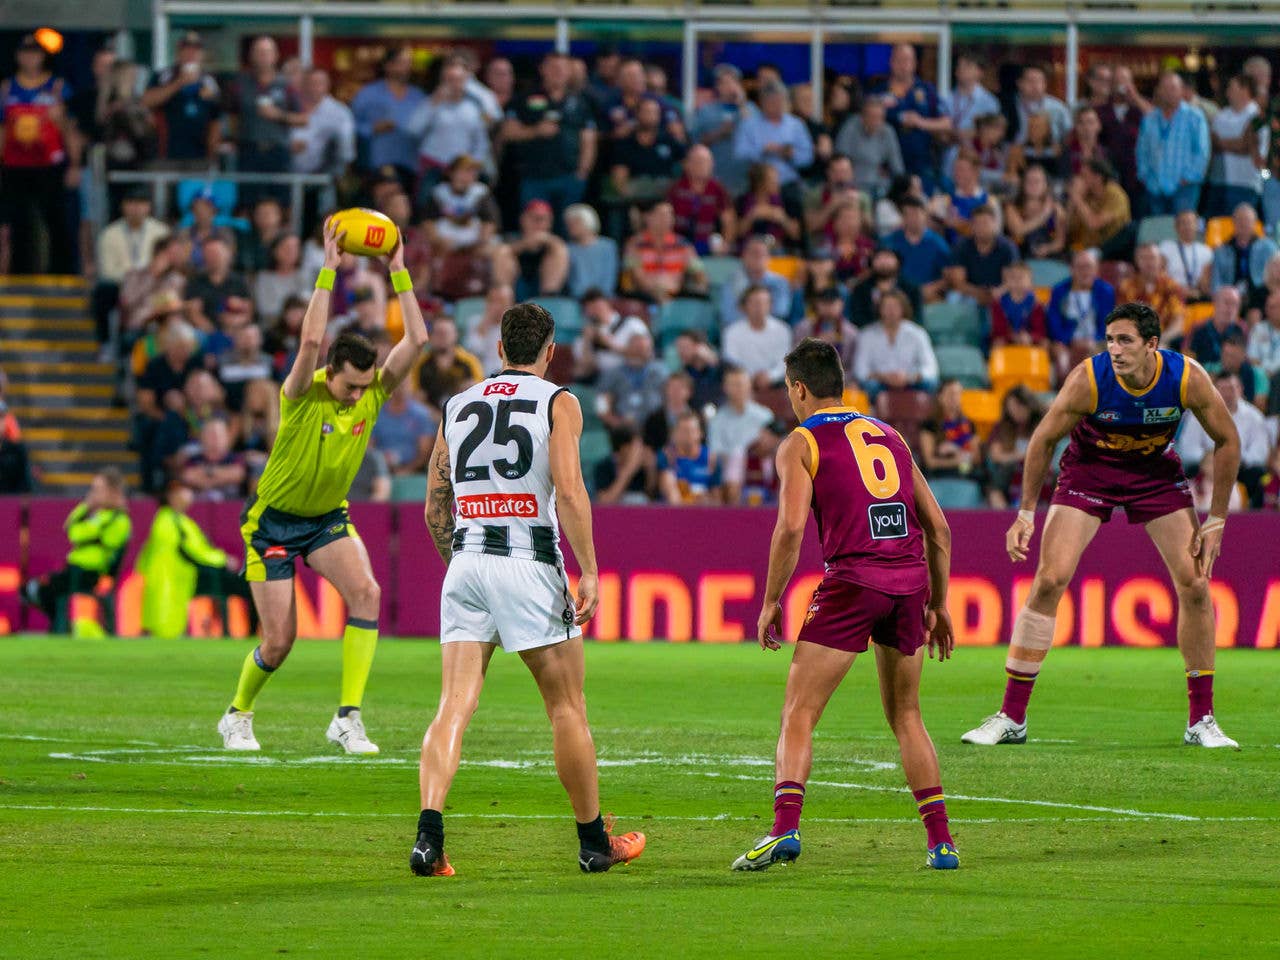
<point>506,456</point>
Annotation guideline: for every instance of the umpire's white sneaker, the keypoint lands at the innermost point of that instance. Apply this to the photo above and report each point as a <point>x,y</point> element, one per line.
<point>1205,732</point>
<point>348,733</point>
<point>237,731</point>
<point>997,728</point>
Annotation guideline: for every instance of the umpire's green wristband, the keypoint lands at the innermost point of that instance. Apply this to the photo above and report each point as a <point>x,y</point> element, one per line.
<point>400,281</point>
<point>324,279</point>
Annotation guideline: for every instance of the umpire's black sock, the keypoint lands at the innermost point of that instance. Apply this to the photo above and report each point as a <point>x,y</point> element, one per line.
<point>431,828</point>
<point>592,836</point>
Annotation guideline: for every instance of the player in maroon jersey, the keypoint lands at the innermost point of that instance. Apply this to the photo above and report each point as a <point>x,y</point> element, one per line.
<point>1122,409</point>
<point>887,551</point>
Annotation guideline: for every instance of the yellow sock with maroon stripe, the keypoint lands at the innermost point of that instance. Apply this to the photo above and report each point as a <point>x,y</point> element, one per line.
<point>253,677</point>
<point>359,641</point>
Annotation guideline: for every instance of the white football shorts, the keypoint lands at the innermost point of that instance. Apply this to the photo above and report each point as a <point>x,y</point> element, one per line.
<point>519,604</point>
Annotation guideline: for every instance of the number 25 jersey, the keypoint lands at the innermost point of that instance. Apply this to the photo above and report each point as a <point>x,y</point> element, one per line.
<point>498,433</point>
<point>864,502</point>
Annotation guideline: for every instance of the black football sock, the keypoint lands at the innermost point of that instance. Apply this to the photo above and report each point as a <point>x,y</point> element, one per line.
<point>431,826</point>
<point>592,835</point>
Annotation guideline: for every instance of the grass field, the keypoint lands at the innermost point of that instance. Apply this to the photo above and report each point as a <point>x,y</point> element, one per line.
<point>126,832</point>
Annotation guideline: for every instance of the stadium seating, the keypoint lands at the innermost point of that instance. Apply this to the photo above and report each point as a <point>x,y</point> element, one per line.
<point>957,493</point>
<point>906,410</point>
<point>1195,314</point>
<point>587,397</point>
<point>686,313</point>
<point>1220,230</point>
<point>567,315</point>
<point>962,362</point>
<point>1048,273</point>
<point>983,408</point>
<point>1115,272</point>
<point>1157,229</point>
<point>466,312</point>
<point>1044,295</point>
<point>720,269</point>
<point>1013,365</point>
<point>789,268</point>
<point>953,323</point>
<point>410,487</point>
<point>593,448</point>
<point>856,398</point>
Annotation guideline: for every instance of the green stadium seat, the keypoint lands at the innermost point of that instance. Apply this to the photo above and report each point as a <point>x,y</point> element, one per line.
<point>587,400</point>
<point>466,312</point>
<point>593,447</point>
<point>1157,229</point>
<point>957,493</point>
<point>954,323</point>
<point>687,313</point>
<point>567,315</point>
<point>1048,273</point>
<point>411,487</point>
<point>962,362</point>
<point>720,269</point>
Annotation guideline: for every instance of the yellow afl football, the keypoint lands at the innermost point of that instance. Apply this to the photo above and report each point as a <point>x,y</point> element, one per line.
<point>369,233</point>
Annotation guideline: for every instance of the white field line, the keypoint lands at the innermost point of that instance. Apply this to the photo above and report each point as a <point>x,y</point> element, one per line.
<point>1121,811</point>
<point>717,818</point>
<point>680,763</point>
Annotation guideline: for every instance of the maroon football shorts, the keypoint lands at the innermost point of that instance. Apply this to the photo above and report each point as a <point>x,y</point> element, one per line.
<point>1157,490</point>
<point>847,616</point>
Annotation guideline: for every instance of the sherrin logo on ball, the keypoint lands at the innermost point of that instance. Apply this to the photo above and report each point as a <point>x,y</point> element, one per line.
<point>368,232</point>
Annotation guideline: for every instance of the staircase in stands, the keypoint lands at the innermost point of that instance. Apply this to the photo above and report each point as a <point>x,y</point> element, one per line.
<point>60,393</point>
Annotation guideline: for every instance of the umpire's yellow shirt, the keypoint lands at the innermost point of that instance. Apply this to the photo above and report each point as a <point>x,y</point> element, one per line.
<point>319,448</point>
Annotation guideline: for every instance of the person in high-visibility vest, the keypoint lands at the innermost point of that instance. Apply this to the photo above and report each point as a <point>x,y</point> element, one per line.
<point>99,529</point>
<point>178,563</point>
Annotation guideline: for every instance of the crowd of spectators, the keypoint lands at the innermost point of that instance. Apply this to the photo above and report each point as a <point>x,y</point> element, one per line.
<point>684,255</point>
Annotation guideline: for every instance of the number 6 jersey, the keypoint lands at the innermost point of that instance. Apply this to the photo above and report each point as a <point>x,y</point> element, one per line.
<point>498,433</point>
<point>864,502</point>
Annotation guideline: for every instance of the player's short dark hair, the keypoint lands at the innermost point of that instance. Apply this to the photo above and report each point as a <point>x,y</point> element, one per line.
<point>1140,315</point>
<point>353,348</point>
<point>816,364</point>
<point>526,330</point>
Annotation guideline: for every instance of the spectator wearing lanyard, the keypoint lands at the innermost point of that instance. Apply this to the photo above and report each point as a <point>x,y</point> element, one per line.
<point>1242,263</point>
<point>1078,307</point>
<point>1188,259</point>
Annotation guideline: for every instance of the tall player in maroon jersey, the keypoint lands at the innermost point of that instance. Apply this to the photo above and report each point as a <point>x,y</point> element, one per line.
<point>1122,409</point>
<point>887,551</point>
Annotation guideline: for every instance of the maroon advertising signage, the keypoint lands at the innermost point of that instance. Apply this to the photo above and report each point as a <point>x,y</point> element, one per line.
<point>685,574</point>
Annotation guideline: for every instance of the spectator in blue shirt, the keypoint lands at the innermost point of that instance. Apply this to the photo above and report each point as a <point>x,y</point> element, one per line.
<point>1173,150</point>
<point>912,108</point>
<point>688,472</point>
<point>754,271</point>
<point>1242,261</point>
<point>775,137</point>
<point>405,432</point>
<point>381,109</point>
<point>1078,308</point>
<point>924,254</point>
<point>716,125</point>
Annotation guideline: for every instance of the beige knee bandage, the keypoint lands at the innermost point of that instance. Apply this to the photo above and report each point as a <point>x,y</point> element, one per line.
<point>1031,640</point>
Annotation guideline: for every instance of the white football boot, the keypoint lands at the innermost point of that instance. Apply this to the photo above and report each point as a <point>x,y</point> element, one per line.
<point>348,733</point>
<point>997,728</point>
<point>237,731</point>
<point>1205,732</point>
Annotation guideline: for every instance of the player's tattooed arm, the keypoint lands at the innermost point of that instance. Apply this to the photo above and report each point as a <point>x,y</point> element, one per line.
<point>439,509</point>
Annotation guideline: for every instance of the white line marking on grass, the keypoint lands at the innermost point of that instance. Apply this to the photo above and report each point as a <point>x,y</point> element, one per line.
<point>719,817</point>
<point>1144,814</point>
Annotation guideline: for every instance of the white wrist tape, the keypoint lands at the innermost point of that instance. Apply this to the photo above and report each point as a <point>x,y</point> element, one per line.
<point>1213,523</point>
<point>1028,517</point>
